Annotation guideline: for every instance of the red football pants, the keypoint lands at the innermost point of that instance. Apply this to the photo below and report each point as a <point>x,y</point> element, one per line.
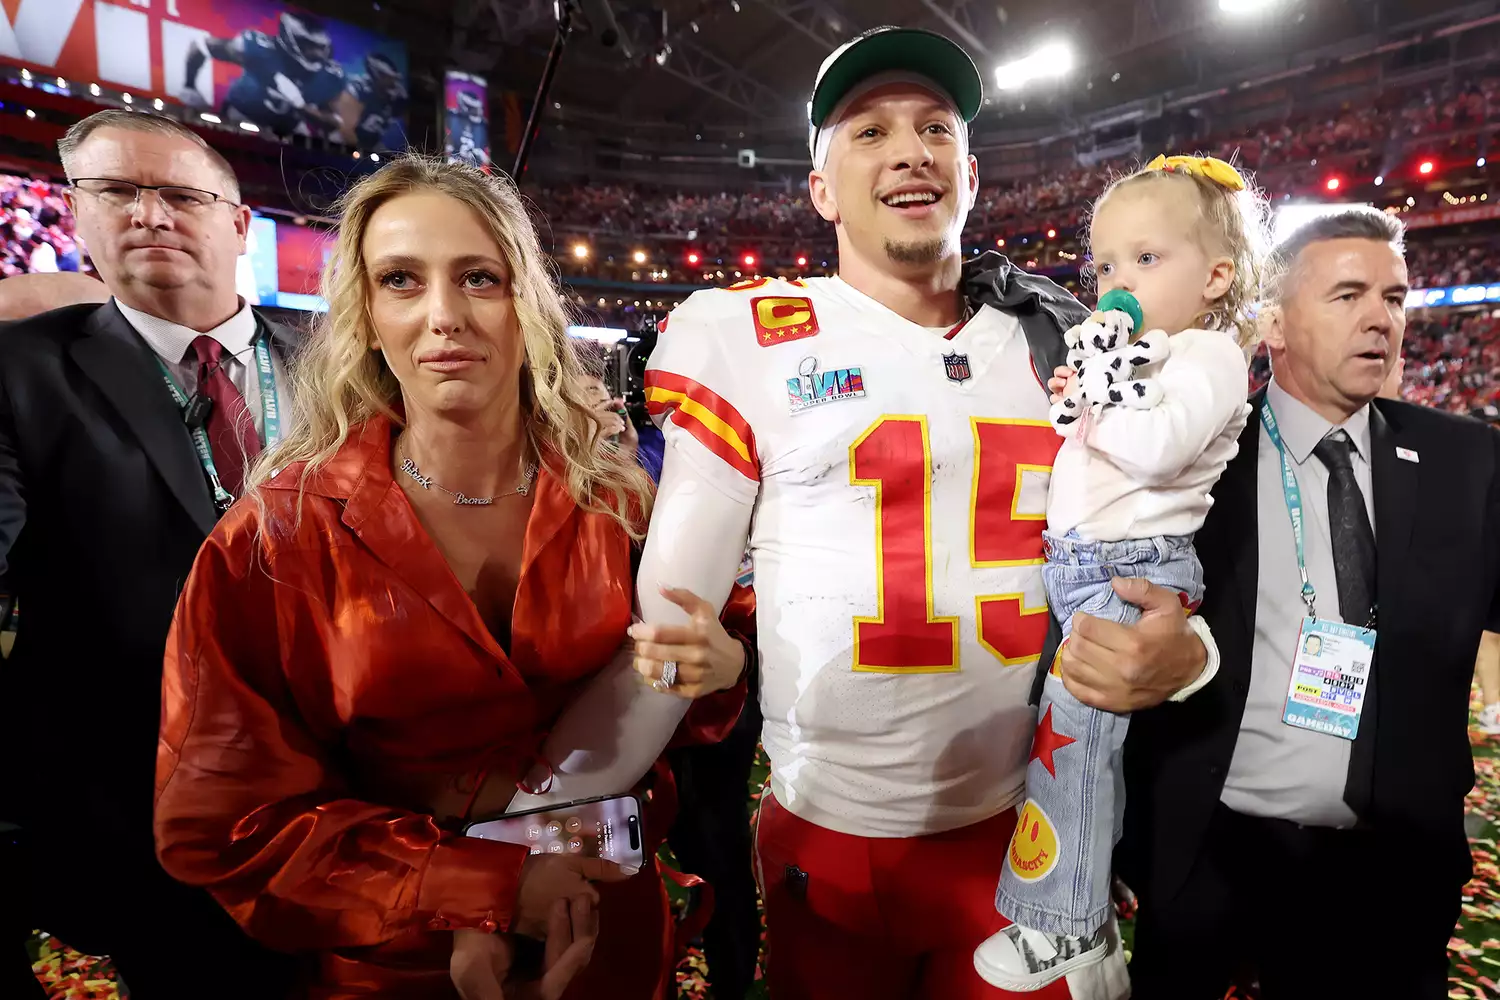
<point>880,918</point>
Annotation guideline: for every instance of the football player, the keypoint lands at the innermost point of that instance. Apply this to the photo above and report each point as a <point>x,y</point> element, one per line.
<point>881,437</point>
<point>371,102</point>
<point>468,131</point>
<point>288,83</point>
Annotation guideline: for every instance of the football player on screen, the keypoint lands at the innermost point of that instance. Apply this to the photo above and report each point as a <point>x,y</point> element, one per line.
<point>468,131</point>
<point>288,83</point>
<point>371,101</point>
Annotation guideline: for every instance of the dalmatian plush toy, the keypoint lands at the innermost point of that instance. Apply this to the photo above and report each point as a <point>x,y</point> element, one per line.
<point>1108,361</point>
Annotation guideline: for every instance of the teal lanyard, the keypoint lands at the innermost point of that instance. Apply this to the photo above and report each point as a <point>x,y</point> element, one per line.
<point>270,415</point>
<point>1293,504</point>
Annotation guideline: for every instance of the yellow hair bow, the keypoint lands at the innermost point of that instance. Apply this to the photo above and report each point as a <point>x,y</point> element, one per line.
<point>1208,167</point>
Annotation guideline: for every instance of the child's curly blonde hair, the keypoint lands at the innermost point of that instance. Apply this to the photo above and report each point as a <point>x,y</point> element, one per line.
<point>1233,222</point>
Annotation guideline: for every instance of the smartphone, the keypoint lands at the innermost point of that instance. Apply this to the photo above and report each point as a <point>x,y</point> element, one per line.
<point>607,827</point>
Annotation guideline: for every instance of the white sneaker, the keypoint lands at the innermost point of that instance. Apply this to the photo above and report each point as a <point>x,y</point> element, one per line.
<point>1489,720</point>
<point>1022,960</point>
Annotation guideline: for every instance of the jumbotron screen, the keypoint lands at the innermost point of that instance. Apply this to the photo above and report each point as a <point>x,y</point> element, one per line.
<point>274,67</point>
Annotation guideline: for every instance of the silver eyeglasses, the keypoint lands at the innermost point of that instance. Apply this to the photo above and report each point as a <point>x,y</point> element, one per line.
<point>123,196</point>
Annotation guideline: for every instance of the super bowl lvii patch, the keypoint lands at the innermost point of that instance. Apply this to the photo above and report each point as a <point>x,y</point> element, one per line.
<point>814,388</point>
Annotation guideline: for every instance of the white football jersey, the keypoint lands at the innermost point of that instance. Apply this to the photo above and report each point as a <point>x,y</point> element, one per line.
<point>899,480</point>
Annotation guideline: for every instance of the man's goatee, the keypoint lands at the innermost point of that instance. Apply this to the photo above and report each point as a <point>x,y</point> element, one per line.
<point>915,252</point>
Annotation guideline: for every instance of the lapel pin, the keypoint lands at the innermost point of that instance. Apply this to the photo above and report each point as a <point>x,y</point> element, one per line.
<point>1407,455</point>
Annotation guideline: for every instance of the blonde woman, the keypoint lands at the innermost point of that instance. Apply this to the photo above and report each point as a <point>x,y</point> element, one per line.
<point>372,645</point>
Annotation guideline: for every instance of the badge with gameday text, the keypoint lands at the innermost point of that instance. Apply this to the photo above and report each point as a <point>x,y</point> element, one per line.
<point>1330,675</point>
<point>782,319</point>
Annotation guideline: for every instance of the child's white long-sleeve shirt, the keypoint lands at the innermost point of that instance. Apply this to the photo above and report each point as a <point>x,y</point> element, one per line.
<point>1126,473</point>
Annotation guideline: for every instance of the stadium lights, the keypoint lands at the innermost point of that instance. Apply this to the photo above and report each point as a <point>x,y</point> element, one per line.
<point>640,256</point>
<point>1244,6</point>
<point>250,126</point>
<point>580,251</point>
<point>211,118</point>
<point>1331,184</point>
<point>1052,60</point>
<point>1425,167</point>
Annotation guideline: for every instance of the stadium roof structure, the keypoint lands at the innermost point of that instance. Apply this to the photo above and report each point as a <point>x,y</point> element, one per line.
<point>725,67</point>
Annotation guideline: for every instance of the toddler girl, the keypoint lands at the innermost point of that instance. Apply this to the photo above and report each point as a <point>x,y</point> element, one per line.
<point>1142,450</point>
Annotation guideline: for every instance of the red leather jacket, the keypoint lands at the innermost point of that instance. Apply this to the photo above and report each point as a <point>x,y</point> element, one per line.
<point>331,693</point>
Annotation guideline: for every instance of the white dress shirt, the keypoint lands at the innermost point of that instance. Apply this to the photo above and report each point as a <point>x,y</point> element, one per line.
<point>1281,771</point>
<point>174,345</point>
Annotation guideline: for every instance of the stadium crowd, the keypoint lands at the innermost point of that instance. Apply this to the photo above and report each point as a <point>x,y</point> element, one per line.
<point>1284,154</point>
<point>1462,260</point>
<point>36,229</point>
<point>1453,361</point>
<point>1453,358</point>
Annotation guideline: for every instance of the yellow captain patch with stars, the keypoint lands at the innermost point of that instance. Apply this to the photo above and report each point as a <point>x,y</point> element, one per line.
<point>782,319</point>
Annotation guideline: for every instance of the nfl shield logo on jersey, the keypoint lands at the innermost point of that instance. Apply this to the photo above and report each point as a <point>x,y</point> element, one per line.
<point>956,367</point>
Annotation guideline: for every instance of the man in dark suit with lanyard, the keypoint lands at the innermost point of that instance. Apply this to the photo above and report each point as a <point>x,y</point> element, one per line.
<point>1301,818</point>
<point>125,429</point>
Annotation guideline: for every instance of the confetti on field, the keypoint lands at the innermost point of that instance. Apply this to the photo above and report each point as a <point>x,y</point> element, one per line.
<point>1474,949</point>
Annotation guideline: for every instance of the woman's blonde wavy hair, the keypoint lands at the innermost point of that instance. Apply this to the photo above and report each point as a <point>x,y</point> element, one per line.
<point>338,382</point>
<point>1235,224</point>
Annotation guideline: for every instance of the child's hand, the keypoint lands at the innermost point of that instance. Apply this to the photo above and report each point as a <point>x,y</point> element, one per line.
<point>1057,385</point>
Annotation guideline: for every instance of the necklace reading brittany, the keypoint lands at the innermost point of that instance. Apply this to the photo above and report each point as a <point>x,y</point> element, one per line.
<point>427,483</point>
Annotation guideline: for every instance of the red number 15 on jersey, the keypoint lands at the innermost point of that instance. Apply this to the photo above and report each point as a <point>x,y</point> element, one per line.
<point>894,456</point>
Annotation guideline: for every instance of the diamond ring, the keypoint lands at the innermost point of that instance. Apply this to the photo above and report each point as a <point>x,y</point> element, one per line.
<point>669,673</point>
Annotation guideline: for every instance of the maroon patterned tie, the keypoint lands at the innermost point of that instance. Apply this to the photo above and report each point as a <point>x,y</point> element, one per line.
<point>231,431</point>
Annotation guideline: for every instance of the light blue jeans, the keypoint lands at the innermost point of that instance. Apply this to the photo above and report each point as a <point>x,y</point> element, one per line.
<point>1076,807</point>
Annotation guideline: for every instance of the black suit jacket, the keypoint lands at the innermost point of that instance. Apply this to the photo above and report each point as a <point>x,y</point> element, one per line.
<point>103,506</point>
<point>1437,531</point>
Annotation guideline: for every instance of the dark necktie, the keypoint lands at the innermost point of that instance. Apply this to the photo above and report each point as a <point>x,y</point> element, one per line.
<point>1354,566</point>
<point>231,430</point>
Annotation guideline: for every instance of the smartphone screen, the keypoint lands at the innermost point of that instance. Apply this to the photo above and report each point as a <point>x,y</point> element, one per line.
<point>608,828</point>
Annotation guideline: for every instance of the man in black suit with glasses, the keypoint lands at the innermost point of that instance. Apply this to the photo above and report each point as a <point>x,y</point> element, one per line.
<point>125,429</point>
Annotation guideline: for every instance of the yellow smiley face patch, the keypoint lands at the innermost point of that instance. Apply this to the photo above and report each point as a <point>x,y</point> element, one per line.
<point>1033,847</point>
